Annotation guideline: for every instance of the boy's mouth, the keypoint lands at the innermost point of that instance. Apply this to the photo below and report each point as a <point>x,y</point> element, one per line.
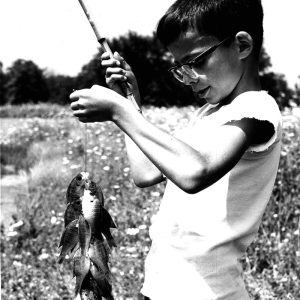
<point>203,93</point>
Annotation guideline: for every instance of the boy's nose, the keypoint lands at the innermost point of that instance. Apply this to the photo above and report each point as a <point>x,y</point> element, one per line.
<point>188,80</point>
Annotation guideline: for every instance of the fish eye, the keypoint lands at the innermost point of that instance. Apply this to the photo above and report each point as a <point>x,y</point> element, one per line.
<point>79,177</point>
<point>92,184</point>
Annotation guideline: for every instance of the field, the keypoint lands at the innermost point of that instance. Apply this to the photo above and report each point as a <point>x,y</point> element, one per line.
<point>49,144</point>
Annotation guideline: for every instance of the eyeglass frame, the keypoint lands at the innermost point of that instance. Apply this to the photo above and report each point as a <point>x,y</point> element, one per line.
<point>199,57</point>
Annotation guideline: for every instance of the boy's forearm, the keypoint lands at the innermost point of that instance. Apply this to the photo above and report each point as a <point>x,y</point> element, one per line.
<point>143,171</point>
<point>175,159</point>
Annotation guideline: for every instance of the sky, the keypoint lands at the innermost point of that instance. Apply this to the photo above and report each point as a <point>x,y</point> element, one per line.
<point>56,35</point>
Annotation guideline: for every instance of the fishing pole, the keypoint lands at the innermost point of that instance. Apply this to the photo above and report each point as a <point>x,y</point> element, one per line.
<point>104,45</point>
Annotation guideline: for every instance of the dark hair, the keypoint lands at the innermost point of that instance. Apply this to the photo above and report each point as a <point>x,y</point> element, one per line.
<point>218,18</point>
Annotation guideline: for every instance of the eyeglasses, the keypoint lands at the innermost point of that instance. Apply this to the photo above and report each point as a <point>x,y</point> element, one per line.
<point>187,69</point>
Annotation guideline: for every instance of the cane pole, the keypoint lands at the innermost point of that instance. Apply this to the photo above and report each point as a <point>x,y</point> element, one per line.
<point>104,45</point>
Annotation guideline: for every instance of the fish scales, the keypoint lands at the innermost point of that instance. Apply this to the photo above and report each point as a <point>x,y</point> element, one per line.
<point>87,239</point>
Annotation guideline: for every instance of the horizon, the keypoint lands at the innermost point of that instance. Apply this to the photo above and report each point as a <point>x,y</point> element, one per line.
<point>64,44</point>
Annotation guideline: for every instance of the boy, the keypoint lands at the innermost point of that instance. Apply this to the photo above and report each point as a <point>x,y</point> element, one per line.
<point>220,170</point>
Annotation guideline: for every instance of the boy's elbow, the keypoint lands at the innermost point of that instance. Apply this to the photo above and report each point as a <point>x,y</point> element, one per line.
<point>146,181</point>
<point>194,182</point>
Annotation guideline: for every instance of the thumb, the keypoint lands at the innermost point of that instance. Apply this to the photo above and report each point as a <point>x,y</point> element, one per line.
<point>124,64</point>
<point>79,94</point>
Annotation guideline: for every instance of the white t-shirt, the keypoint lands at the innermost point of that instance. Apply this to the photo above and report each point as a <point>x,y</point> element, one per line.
<point>197,239</point>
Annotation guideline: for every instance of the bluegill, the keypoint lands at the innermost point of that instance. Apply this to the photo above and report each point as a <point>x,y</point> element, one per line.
<point>87,238</point>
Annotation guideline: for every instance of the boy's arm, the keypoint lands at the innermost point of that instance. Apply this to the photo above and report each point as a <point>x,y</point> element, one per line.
<point>190,169</point>
<point>143,171</point>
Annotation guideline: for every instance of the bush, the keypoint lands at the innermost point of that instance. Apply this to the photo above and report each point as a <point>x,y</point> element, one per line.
<point>29,248</point>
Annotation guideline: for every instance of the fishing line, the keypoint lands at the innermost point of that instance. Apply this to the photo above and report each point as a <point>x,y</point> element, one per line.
<point>105,47</point>
<point>85,146</point>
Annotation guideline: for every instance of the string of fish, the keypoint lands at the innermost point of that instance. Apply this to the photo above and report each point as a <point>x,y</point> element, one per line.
<point>87,239</point>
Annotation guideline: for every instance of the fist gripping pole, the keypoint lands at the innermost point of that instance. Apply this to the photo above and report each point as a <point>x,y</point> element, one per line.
<point>104,45</point>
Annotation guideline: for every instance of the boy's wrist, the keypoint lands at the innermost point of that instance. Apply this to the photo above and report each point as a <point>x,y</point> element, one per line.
<point>123,109</point>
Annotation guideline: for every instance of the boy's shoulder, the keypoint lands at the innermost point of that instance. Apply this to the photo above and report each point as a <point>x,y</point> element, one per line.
<point>260,97</point>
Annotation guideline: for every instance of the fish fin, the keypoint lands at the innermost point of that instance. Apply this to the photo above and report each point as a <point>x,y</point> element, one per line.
<point>102,282</point>
<point>80,271</point>
<point>85,234</point>
<point>73,251</point>
<point>106,219</point>
<point>72,212</point>
<point>69,240</point>
<point>99,255</point>
<point>109,238</point>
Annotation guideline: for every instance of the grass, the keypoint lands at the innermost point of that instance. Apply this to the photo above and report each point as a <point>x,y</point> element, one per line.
<point>51,150</point>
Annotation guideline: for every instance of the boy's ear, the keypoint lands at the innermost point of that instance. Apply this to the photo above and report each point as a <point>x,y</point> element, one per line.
<point>245,44</point>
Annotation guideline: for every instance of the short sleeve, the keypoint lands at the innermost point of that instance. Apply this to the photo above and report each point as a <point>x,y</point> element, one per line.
<point>258,105</point>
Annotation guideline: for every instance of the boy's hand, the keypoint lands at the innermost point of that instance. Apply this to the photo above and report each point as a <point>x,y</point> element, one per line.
<point>117,71</point>
<point>97,104</point>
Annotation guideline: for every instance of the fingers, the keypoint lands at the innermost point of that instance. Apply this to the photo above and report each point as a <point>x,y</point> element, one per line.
<point>84,93</point>
<point>108,61</point>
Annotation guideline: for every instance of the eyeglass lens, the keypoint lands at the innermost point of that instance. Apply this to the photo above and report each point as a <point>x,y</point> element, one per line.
<point>184,70</point>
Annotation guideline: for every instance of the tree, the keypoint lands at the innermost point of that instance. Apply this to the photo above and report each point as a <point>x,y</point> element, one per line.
<point>60,87</point>
<point>25,83</point>
<point>91,74</point>
<point>150,63</point>
<point>274,83</point>
<point>2,85</point>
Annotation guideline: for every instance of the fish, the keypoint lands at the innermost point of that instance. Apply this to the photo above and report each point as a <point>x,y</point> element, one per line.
<point>87,238</point>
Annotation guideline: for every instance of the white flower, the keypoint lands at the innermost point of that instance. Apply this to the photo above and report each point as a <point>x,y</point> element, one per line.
<point>11,233</point>
<point>16,225</point>
<point>17,263</point>
<point>132,231</point>
<point>74,167</point>
<point>53,220</point>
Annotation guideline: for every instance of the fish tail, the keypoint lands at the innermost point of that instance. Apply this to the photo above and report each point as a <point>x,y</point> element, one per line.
<point>87,240</point>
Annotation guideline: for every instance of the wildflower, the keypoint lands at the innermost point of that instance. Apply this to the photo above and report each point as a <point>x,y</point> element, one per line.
<point>131,249</point>
<point>43,256</point>
<point>65,161</point>
<point>142,227</point>
<point>155,194</point>
<point>132,231</point>
<point>74,167</point>
<point>53,220</point>
<point>16,225</point>
<point>11,233</point>
<point>127,169</point>
<point>106,168</point>
<point>17,264</point>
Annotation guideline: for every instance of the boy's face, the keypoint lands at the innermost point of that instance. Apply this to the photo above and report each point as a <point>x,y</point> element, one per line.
<point>218,74</point>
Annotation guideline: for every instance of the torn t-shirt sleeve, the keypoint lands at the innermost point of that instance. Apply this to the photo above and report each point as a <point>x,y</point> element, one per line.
<point>258,105</point>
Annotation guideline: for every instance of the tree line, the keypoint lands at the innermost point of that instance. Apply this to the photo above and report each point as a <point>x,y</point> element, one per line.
<point>25,82</point>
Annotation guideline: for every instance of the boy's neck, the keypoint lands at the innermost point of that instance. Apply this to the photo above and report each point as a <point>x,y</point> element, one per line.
<point>249,81</point>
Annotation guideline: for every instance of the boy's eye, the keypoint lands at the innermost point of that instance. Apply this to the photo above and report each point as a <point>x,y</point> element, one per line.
<point>199,62</point>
